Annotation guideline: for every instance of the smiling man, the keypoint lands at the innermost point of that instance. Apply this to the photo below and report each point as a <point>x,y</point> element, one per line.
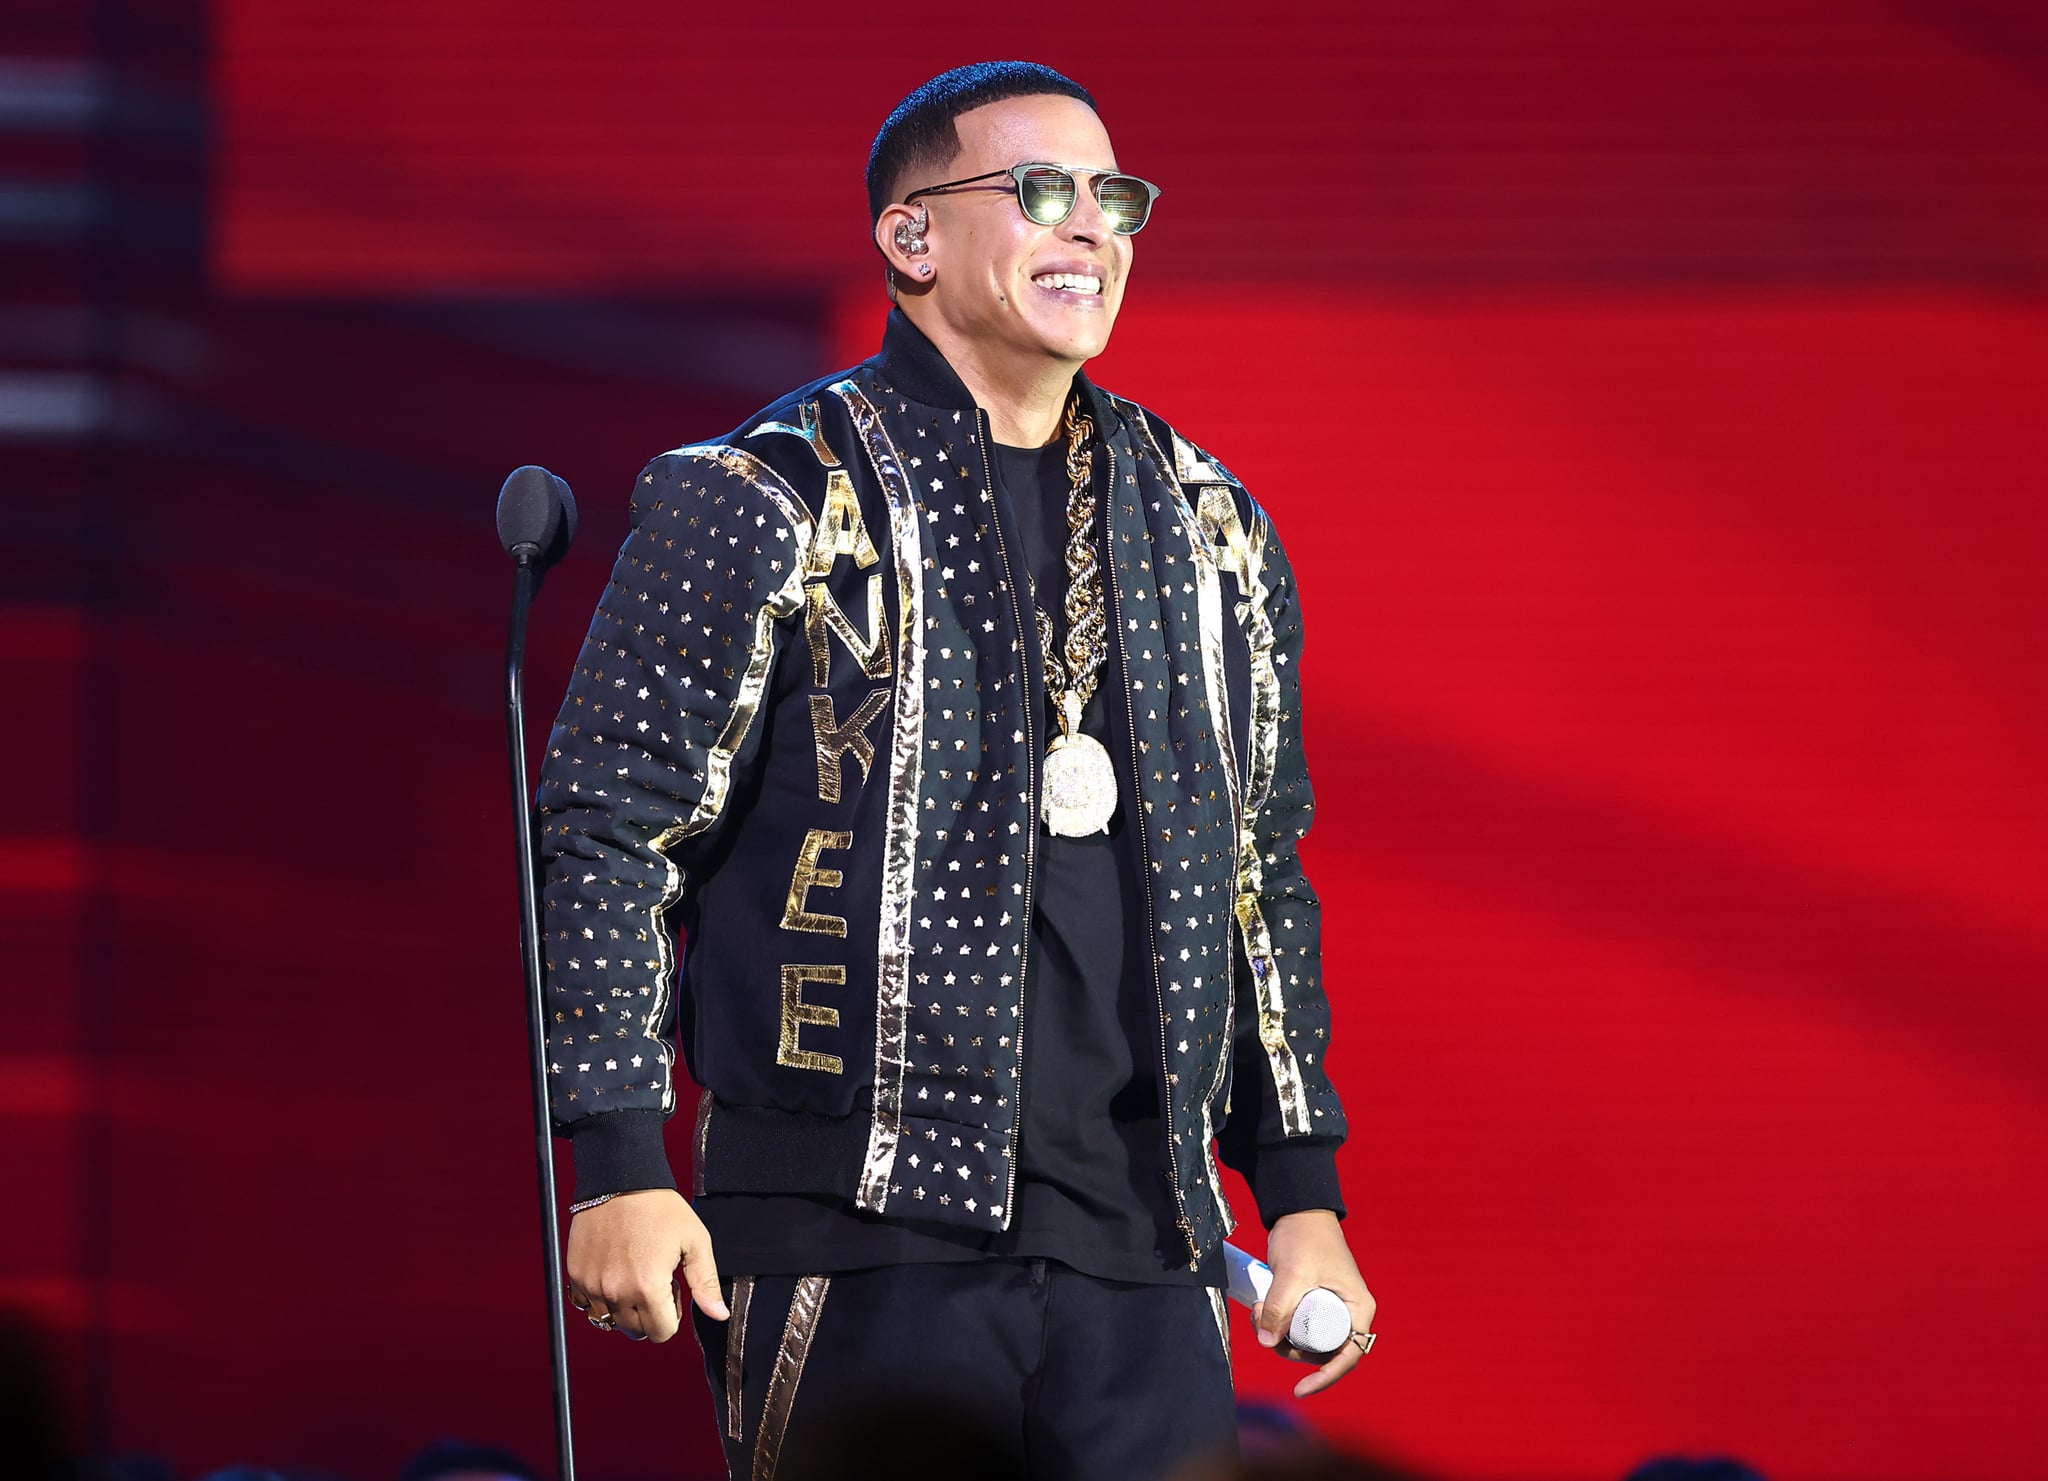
<point>950,708</point>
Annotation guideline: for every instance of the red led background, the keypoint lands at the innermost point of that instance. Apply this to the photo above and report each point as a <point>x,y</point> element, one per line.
<point>465,146</point>
<point>1652,401</point>
<point>1676,715</point>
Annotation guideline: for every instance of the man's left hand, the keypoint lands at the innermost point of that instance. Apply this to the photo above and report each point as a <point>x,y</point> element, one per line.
<point>1307,1250</point>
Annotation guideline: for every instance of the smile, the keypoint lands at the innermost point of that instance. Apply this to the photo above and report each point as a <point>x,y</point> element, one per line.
<point>1077,283</point>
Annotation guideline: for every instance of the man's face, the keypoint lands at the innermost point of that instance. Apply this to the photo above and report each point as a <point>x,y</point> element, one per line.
<point>991,260</point>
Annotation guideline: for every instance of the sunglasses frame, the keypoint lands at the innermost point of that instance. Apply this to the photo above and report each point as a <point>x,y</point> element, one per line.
<point>1017,172</point>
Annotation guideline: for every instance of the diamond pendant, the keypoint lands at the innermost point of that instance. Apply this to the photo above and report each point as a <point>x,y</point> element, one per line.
<point>1079,795</point>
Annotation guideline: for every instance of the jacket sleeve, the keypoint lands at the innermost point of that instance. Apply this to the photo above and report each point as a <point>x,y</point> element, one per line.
<point>659,723</point>
<point>1285,1122</point>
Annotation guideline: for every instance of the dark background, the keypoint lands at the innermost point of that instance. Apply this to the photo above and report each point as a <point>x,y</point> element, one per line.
<point>1651,397</point>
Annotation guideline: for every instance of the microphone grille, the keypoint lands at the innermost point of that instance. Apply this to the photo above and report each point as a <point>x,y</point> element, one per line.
<point>568,532</point>
<point>529,508</point>
<point>1322,1322</point>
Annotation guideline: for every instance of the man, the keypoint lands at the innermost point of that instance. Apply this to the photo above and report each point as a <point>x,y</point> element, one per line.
<point>950,707</point>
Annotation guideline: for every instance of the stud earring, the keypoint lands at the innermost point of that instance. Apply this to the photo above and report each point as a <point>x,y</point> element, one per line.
<point>924,270</point>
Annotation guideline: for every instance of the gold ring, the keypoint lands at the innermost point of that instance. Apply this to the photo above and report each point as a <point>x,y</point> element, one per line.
<point>1365,1345</point>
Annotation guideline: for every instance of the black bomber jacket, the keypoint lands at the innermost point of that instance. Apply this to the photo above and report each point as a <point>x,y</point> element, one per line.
<point>807,728</point>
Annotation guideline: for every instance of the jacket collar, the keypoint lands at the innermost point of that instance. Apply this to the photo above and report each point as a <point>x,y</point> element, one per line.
<point>912,366</point>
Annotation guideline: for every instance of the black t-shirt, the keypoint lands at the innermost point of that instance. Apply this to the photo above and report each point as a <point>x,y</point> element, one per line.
<point>1093,1189</point>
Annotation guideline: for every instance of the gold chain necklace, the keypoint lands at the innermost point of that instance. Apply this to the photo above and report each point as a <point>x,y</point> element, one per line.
<point>1078,795</point>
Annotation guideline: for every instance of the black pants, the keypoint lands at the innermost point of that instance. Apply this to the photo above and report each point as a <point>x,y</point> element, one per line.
<point>996,1368</point>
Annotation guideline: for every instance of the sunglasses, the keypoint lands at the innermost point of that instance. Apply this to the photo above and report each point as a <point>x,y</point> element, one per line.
<point>1046,193</point>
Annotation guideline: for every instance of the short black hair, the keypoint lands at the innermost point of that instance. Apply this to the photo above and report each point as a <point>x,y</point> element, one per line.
<point>920,133</point>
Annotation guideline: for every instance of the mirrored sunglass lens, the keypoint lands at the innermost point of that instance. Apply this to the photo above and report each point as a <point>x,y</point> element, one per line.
<point>1125,201</point>
<point>1047,195</point>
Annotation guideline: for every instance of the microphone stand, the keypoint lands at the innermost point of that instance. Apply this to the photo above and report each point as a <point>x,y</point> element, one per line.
<point>526,582</point>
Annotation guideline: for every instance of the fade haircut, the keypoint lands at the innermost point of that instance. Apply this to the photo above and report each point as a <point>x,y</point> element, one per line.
<point>919,135</point>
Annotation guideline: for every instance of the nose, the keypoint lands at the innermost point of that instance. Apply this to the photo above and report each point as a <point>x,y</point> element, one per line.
<point>1087,222</point>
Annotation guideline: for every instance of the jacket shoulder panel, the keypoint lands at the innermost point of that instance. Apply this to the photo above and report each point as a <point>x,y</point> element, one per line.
<point>800,439</point>
<point>717,472</point>
<point>1235,530</point>
<point>1191,463</point>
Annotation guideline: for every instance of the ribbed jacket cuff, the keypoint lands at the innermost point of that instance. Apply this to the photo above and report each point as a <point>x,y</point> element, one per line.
<point>620,1152</point>
<point>1292,1176</point>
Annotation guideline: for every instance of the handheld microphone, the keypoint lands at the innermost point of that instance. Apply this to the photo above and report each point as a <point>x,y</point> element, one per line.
<point>536,517</point>
<point>1322,1322</point>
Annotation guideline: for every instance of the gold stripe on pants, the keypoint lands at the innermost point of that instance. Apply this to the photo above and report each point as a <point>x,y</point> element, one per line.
<point>804,1308</point>
<point>736,1355</point>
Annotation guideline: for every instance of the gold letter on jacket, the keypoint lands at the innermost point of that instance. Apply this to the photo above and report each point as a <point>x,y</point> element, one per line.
<point>841,531</point>
<point>796,1013</point>
<point>835,740</point>
<point>808,876</point>
<point>823,617</point>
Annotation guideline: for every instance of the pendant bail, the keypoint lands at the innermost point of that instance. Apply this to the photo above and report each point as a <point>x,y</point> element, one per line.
<point>1070,713</point>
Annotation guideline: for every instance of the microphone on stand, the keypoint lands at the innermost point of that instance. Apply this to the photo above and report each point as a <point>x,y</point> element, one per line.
<point>536,517</point>
<point>536,523</point>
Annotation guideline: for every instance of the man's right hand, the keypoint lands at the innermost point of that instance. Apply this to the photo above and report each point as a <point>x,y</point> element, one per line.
<point>623,1256</point>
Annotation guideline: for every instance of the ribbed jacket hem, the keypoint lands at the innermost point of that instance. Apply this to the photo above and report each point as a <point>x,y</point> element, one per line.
<point>620,1152</point>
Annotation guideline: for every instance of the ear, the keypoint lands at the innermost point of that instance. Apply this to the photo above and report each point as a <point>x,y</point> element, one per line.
<point>913,270</point>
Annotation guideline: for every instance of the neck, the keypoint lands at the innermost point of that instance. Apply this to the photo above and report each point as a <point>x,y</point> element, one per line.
<point>1024,402</point>
<point>1026,415</point>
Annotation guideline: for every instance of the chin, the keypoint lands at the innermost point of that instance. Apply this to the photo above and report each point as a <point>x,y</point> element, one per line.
<point>1078,350</point>
<point>1065,342</point>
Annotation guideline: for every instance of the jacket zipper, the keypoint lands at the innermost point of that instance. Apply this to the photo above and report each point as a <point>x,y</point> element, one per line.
<point>1031,804</point>
<point>1136,822</point>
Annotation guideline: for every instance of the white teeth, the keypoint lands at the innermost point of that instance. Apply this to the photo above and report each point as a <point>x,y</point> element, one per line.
<point>1074,282</point>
